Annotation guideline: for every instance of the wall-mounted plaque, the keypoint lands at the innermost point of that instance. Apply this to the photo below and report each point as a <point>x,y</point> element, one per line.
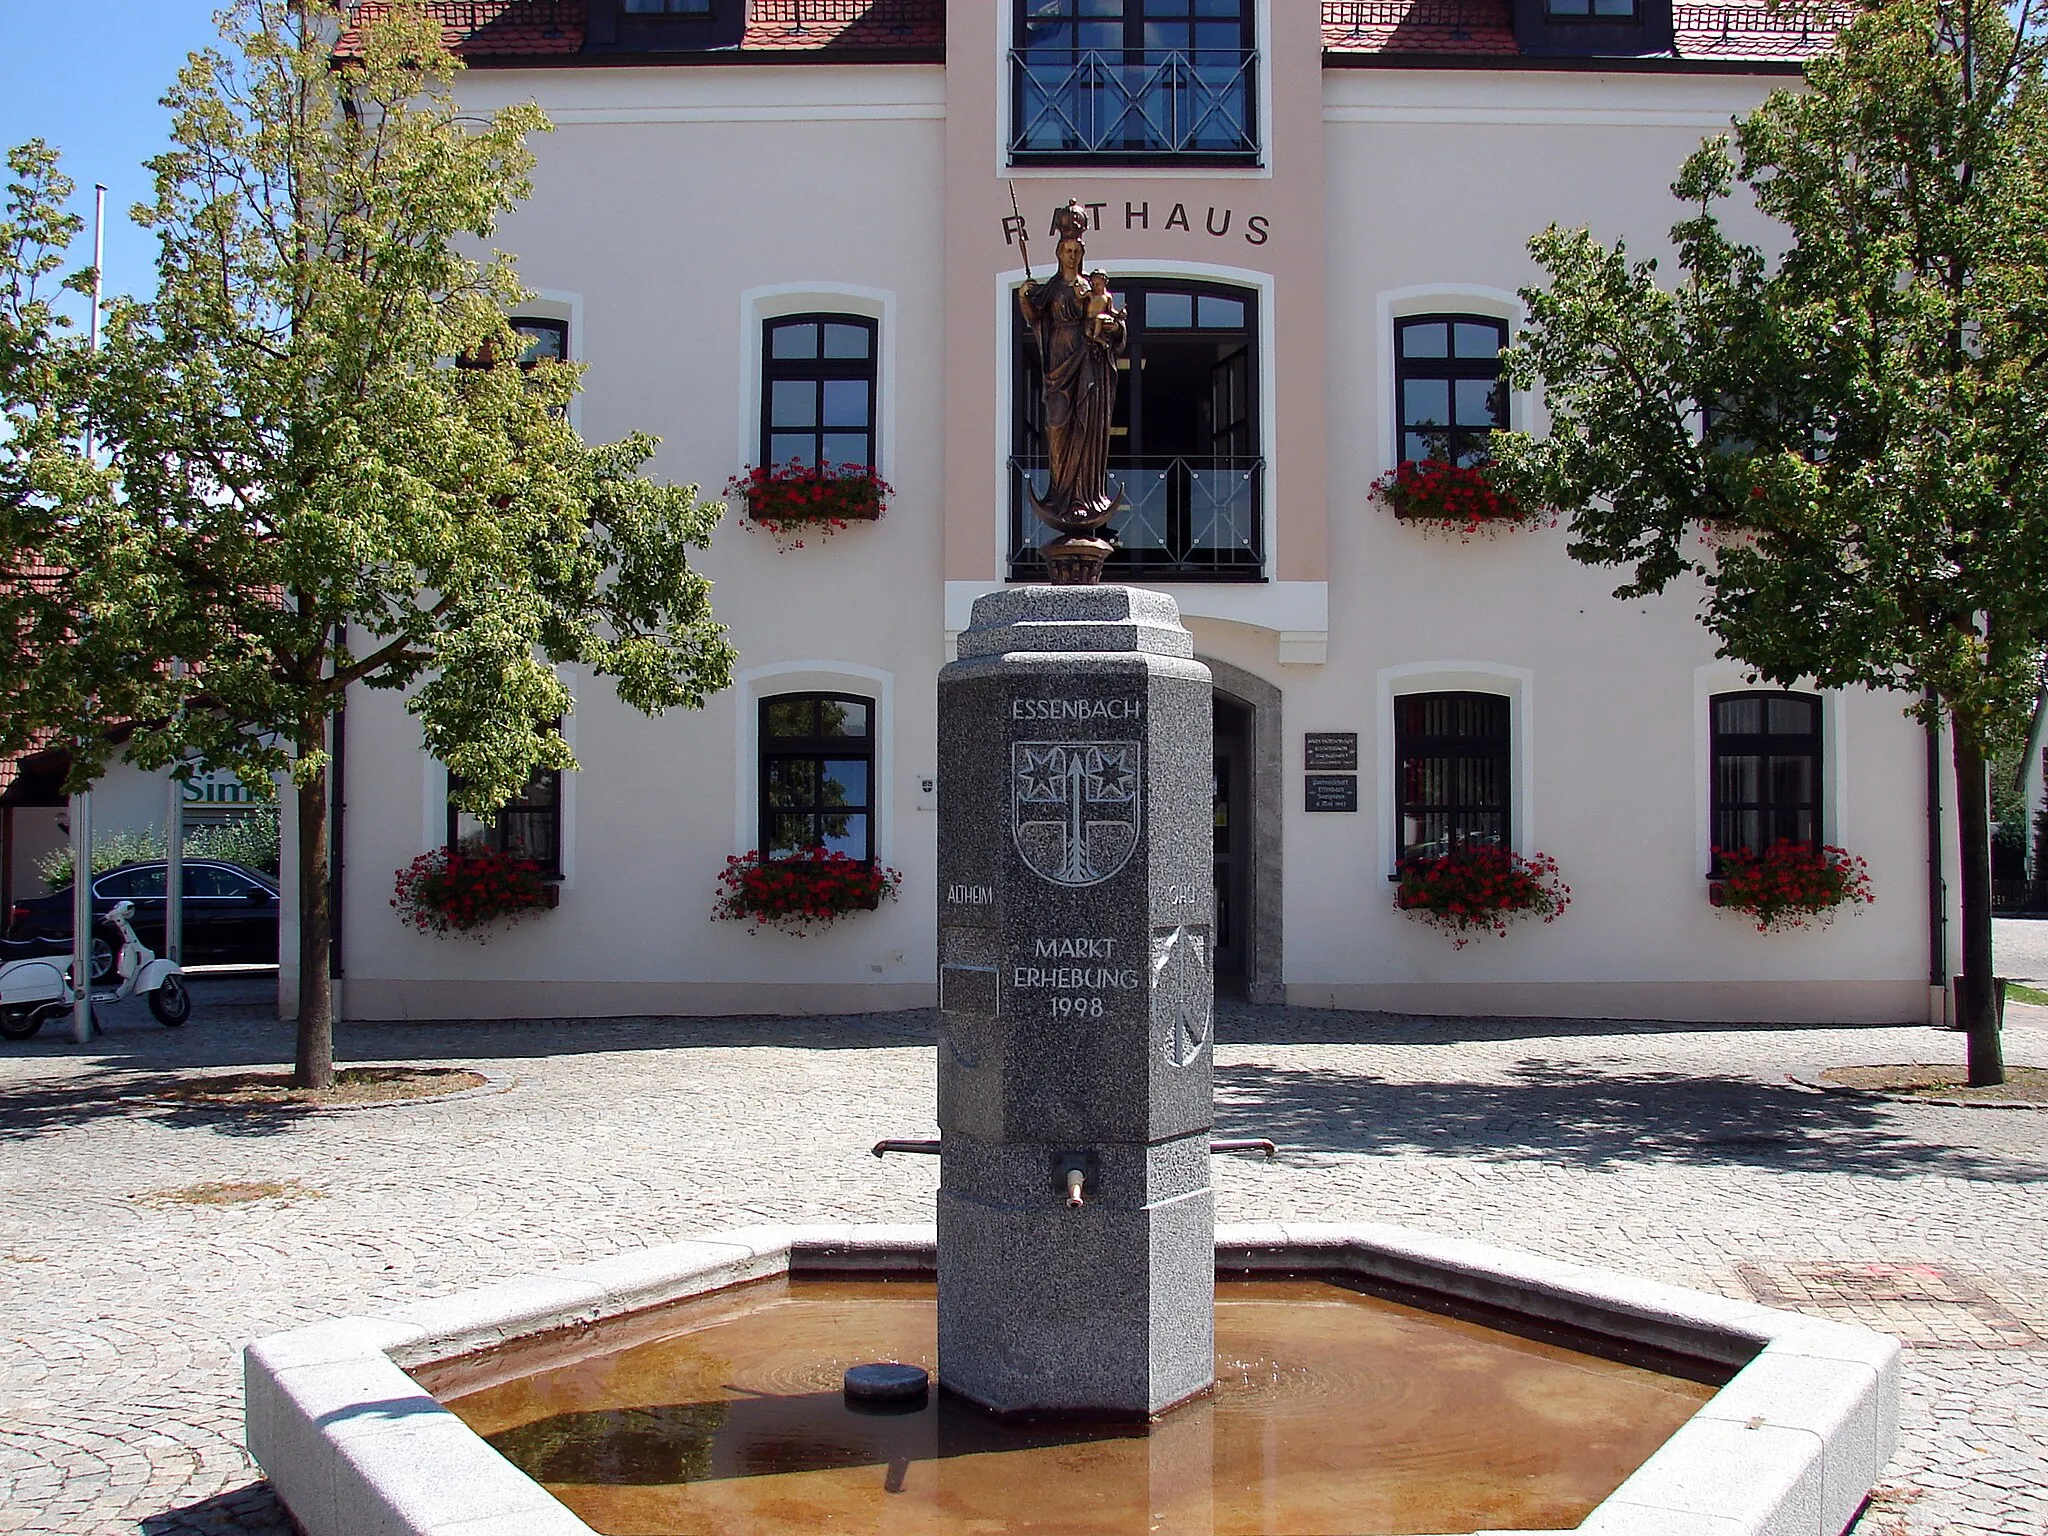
<point>1330,751</point>
<point>1330,792</point>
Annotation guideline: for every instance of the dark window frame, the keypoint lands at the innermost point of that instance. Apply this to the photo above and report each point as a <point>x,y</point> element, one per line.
<point>1452,370</point>
<point>1553,10</point>
<point>610,28</point>
<point>1767,745</point>
<point>549,815</point>
<point>819,370</point>
<point>1413,746</point>
<point>1052,41</point>
<point>531,325</point>
<point>771,748</point>
<point>525,327</point>
<point>1235,448</point>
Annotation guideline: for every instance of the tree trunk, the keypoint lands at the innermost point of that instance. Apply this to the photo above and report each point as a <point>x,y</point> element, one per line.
<point>315,1065</point>
<point>1973,827</point>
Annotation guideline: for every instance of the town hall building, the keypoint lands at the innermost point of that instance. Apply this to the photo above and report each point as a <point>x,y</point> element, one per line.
<point>795,229</point>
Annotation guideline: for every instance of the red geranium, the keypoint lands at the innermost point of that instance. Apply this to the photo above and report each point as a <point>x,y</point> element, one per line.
<point>1456,497</point>
<point>789,499</point>
<point>442,892</point>
<point>1791,885</point>
<point>798,894</point>
<point>1479,890</point>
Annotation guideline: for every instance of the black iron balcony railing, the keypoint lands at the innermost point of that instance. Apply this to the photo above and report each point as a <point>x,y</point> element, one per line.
<point>1184,519</point>
<point>1072,104</point>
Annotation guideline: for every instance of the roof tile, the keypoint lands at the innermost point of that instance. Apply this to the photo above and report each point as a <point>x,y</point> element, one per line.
<point>501,29</point>
<point>489,28</point>
<point>1791,32</point>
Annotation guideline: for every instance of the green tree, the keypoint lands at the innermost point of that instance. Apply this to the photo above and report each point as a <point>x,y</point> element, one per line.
<point>340,472</point>
<point>1862,420</point>
<point>66,545</point>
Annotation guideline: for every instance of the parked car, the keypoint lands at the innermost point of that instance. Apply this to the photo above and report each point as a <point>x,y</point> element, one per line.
<point>230,912</point>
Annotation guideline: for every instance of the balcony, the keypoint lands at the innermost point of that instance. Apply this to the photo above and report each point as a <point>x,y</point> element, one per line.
<point>1072,106</point>
<point>1186,519</point>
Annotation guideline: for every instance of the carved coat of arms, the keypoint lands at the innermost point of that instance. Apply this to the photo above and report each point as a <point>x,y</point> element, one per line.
<point>1074,807</point>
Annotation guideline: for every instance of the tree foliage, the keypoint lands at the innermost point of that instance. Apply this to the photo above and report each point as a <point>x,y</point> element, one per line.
<point>1858,424</point>
<point>337,471</point>
<point>65,550</point>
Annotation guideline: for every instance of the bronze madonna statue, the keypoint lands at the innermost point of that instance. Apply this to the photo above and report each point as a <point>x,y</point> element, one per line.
<point>1079,333</point>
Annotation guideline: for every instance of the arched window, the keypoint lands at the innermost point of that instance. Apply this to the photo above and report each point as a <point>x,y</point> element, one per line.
<point>817,776</point>
<point>1184,443</point>
<point>1447,389</point>
<point>818,389</point>
<point>1766,771</point>
<point>528,826</point>
<point>1455,771</point>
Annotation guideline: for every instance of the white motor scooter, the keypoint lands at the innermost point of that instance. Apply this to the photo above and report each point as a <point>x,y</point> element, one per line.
<point>35,980</point>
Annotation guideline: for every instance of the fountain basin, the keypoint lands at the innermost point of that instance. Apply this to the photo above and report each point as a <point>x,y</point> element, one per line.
<point>1791,1443</point>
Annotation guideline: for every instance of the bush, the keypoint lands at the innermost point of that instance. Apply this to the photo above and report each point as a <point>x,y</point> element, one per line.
<point>796,895</point>
<point>443,893</point>
<point>249,840</point>
<point>1791,886</point>
<point>1479,890</point>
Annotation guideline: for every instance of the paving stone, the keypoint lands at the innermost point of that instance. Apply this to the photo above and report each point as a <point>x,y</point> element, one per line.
<point>1680,1153</point>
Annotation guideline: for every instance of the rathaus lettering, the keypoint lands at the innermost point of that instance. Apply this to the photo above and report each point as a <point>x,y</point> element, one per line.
<point>1075,709</point>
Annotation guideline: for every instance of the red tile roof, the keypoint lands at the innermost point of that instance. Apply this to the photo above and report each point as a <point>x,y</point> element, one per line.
<point>1791,32</point>
<point>513,29</point>
<point>492,28</point>
<point>783,25</point>
<point>1757,31</point>
<point>1419,26</point>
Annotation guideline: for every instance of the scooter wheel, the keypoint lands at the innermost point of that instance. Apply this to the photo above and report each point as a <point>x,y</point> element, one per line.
<point>171,1002</point>
<point>20,1023</point>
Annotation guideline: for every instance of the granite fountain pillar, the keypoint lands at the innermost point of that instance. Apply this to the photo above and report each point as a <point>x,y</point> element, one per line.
<point>1075,1222</point>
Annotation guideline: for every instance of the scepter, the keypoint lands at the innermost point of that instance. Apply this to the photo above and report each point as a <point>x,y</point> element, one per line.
<point>1023,231</point>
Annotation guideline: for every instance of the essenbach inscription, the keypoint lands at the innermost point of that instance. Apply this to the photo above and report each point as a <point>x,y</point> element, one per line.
<point>1077,709</point>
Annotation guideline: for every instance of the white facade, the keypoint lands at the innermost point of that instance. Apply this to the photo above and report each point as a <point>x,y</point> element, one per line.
<point>677,208</point>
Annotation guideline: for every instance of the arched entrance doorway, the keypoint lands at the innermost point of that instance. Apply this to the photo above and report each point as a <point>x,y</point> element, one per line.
<point>1246,813</point>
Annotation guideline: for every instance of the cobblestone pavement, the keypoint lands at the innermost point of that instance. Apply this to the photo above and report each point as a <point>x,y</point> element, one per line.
<point>2019,948</point>
<point>1678,1151</point>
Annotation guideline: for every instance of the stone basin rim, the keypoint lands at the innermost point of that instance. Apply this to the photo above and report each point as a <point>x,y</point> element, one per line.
<point>1789,1447</point>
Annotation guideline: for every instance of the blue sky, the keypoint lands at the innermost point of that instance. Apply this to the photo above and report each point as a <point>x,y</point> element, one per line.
<point>86,77</point>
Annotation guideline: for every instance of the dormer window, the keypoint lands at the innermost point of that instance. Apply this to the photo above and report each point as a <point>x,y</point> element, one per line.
<point>664,26</point>
<point>1591,29</point>
<point>1134,82</point>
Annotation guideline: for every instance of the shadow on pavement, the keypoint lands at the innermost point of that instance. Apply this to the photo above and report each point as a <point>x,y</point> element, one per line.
<point>1252,1024</point>
<point>1560,1112</point>
<point>241,1512</point>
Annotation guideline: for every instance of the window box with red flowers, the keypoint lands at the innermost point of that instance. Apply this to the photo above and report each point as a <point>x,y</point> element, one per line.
<point>1480,890</point>
<point>797,500</point>
<point>1790,885</point>
<point>798,896</point>
<point>1450,498</point>
<point>468,891</point>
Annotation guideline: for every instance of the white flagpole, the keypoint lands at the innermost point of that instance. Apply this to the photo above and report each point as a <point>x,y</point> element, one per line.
<point>81,803</point>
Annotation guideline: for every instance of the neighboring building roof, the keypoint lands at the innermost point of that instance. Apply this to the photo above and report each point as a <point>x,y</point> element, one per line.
<point>809,25</point>
<point>495,28</point>
<point>513,30</point>
<point>1394,31</point>
<point>1433,27</point>
<point>1354,31</point>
